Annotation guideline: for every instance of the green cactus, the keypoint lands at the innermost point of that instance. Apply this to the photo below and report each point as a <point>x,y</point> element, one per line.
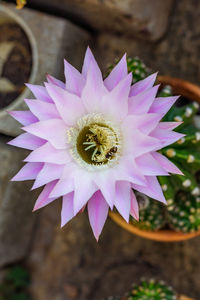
<point>166,91</point>
<point>134,65</point>
<point>182,114</point>
<point>138,69</point>
<point>185,216</point>
<point>151,289</point>
<point>169,190</point>
<point>183,211</point>
<point>151,213</point>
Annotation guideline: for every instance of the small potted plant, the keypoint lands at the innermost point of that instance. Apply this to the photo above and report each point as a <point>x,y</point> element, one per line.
<point>151,289</point>
<point>18,64</point>
<point>180,219</point>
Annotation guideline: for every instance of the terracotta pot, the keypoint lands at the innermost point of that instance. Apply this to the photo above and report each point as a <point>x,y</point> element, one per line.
<point>184,298</point>
<point>192,92</point>
<point>160,235</point>
<point>182,87</point>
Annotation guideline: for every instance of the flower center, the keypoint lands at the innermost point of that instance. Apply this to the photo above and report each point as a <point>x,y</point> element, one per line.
<point>95,142</point>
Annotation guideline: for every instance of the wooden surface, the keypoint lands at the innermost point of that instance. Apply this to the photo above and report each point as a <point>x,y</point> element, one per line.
<point>160,236</point>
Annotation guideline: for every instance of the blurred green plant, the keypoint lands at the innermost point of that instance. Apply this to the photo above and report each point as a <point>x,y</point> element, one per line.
<point>15,284</point>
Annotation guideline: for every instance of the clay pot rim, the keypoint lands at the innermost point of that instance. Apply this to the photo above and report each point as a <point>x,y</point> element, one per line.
<point>159,236</point>
<point>19,100</point>
<point>182,87</point>
<point>192,92</point>
<point>183,297</point>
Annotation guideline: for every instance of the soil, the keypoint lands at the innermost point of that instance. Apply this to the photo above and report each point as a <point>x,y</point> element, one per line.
<point>17,65</point>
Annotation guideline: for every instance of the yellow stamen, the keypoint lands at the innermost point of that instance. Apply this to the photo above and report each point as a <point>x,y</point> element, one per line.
<point>103,140</point>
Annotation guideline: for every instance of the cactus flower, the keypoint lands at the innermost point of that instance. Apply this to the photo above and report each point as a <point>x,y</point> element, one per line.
<point>94,141</point>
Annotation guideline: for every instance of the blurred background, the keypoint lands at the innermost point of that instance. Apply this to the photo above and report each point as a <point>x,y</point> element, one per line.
<point>69,264</point>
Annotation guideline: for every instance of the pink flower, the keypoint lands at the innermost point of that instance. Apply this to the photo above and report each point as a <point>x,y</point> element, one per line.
<point>93,141</point>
